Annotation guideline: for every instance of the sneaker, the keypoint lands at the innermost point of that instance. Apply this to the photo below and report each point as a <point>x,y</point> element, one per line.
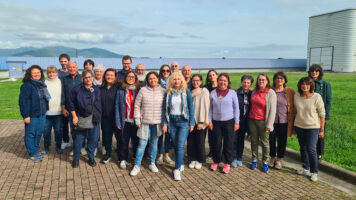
<point>192,164</point>
<point>153,168</point>
<point>135,170</point>
<point>181,168</point>
<point>45,150</point>
<point>123,164</point>
<point>176,174</point>
<point>65,145</point>
<point>272,162</point>
<point>226,169</point>
<point>314,177</point>
<point>92,162</point>
<point>39,156</point>
<point>214,166</point>
<point>198,165</point>
<point>265,167</point>
<point>59,150</point>
<point>278,164</point>
<point>239,163</point>
<point>35,158</point>
<point>106,159</point>
<point>168,160</point>
<point>103,151</point>
<point>304,172</point>
<point>253,165</point>
<point>234,163</point>
<point>83,152</point>
<point>159,160</point>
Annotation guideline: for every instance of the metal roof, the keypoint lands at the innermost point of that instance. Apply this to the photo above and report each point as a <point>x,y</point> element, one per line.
<point>333,12</point>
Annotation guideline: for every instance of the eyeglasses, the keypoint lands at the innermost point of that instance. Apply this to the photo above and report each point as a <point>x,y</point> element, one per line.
<point>262,80</point>
<point>140,70</point>
<point>165,71</point>
<point>131,77</point>
<point>88,77</point>
<point>126,63</point>
<point>195,80</point>
<point>175,66</point>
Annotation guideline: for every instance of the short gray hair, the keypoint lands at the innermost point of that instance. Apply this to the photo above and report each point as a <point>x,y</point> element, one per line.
<point>100,67</point>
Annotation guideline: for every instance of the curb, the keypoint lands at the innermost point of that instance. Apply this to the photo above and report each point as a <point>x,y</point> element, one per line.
<point>332,169</point>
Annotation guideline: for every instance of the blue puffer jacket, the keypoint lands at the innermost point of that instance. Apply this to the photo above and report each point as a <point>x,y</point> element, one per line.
<point>120,107</point>
<point>30,103</point>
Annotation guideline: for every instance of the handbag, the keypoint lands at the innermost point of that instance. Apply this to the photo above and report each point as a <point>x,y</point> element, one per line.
<point>85,123</point>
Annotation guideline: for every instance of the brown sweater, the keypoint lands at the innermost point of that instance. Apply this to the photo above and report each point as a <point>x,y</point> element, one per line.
<point>289,92</point>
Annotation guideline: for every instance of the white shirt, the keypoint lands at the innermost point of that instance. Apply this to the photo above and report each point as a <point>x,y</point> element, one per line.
<point>176,105</point>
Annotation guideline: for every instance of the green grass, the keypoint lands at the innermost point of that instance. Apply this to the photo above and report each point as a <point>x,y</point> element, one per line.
<point>340,132</point>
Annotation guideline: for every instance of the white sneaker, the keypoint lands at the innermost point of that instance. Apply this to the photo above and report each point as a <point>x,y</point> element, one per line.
<point>71,153</point>
<point>153,168</point>
<point>95,151</point>
<point>168,160</point>
<point>314,177</point>
<point>181,168</point>
<point>103,151</point>
<point>304,172</point>
<point>123,164</point>
<point>64,145</point>
<point>159,160</point>
<point>192,164</point>
<point>198,165</point>
<point>83,151</point>
<point>135,170</point>
<point>176,174</point>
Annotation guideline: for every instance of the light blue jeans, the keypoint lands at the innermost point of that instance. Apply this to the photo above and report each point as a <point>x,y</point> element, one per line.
<point>179,130</point>
<point>142,143</point>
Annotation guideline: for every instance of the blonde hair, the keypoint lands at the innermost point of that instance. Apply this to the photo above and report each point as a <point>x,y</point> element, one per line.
<point>52,68</point>
<point>171,79</point>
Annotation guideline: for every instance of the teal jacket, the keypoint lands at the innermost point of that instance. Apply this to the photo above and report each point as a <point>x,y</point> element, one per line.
<point>324,89</point>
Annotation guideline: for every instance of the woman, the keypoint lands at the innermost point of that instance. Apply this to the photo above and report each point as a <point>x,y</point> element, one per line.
<point>244,97</point>
<point>85,103</point>
<point>178,114</point>
<point>224,116</point>
<point>54,114</point>
<point>108,94</point>
<point>196,139</point>
<point>89,64</point>
<point>164,73</point>
<point>309,124</point>
<point>324,89</point>
<point>33,103</point>
<point>211,83</point>
<point>124,116</point>
<point>99,71</point>
<point>283,123</point>
<point>148,118</point>
<point>261,118</point>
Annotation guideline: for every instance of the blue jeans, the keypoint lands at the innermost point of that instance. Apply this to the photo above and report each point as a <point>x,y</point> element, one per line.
<point>91,135</point>
<point>167,143</point>
<point>108,129</point>
<point>239,143</point>
<point>54,121</point>
<point>179,130</point>
<point>307,140</point>
<point>33,134</point>
<point>152,135</point>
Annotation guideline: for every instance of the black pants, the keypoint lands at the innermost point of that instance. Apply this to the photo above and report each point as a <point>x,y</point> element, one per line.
<point>223,141</point>
<point>320,144</point>
<point>65,129</point>
<point>280,134</point>
<point>210,141</point>
<point>129,131</point>
<point>196,145</point>
<point>108,129</point>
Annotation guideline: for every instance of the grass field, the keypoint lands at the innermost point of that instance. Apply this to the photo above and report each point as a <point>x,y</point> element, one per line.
<point>340,132</point>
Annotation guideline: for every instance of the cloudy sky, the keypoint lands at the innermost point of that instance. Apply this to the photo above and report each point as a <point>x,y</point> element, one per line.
<point>167,28</point>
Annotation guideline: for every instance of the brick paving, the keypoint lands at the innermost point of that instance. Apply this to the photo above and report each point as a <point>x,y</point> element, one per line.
<point>54,178</point>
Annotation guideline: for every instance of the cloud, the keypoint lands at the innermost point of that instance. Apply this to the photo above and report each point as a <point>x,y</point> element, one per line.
<point>7,45</point>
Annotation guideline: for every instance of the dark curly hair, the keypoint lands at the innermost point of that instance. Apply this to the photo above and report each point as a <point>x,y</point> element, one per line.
<point>308,81</point>
<point>27,76</point>
<point>283,75</point>
<point>318,68</point>
<point>149,74</point>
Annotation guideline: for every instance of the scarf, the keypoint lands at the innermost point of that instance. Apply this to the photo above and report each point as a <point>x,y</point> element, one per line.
<point>222,93</point>
<point>42,89</point>
<point>184,102</point>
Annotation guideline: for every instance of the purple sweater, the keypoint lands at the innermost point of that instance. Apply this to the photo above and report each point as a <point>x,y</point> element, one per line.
<point>226,109</point>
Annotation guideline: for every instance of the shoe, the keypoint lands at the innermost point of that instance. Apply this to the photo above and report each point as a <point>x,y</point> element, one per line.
<point>234,163</point>
<point>65,145</point>
<point>83,152</point>
<point>39,156</point>
<point>226,169</point>
<point>214,166</point>
<point>153,168</point>
<point>123,164</point>
<point>71,153</point>
<point>209,155</point>
<point>59,150</point>
<point>35,159</point>
<point>92,162</point>
<point>198,165</point>
<point>278,164</point>
<point>103,151</point>
<point>95,151</point>
<point>168,160</point>
<point>265,167</point>
<point>75,163</point>
<point>272,162</point>
<point>45,150</point>
<point>239,163</point>
<point>135,170</point>
<point>192,164</point>
<point>181,168</point>
<point>176,175</point>
<point>314,177</point>
<point>106,159</point>
<point>253,165</point>
<point>159,160</point>
<point>304,172</point>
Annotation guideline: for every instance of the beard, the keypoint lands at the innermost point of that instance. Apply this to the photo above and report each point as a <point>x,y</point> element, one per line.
<point>141,77</point>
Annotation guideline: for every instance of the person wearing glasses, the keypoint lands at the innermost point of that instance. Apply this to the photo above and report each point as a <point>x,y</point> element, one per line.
<point>323,88</point>
<point>140,70</point>
<point>85,101</point>
<point>175,67</point>
<point>126,67</point>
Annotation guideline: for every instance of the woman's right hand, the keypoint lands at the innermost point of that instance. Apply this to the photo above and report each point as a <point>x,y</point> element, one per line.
<point>27,120</point>
<point>65,112</point>
<point>210,126</point>
<point>119,127</point>
<point>164,128</point>
<point>75,120</point>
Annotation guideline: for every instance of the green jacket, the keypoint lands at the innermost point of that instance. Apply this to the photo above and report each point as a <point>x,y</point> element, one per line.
<point>324,89</point>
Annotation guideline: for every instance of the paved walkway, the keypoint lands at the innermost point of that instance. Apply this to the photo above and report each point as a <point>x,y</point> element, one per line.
<point>54,178</point>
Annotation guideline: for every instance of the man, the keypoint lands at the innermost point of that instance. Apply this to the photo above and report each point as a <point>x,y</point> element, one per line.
<point>126,67</point>
<point>140,71</point>
<point>68,83</point>
<point>174,66</point>
<point>187,71</point>
<point>63,60</point>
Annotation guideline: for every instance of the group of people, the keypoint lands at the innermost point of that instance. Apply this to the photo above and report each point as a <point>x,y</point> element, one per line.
<point>171,108</point>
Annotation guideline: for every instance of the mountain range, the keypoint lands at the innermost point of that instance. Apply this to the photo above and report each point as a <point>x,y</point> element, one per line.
<point>55,51</point>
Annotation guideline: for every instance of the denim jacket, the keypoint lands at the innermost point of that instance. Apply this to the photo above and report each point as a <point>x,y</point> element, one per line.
<point>120,107</point>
